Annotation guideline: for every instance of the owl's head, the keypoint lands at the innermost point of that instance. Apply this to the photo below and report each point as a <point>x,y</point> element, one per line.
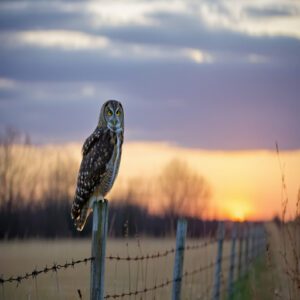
<point>112,116</point>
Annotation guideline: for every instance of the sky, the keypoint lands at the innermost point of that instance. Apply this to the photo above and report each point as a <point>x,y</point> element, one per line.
<point>221,78</point>
<point>244,184</point>
<point>219,75</point>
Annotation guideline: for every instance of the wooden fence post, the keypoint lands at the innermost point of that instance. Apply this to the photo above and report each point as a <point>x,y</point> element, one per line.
<point>179,256</point>
<point>246,234</point>
<point>232,261</point>
<point>218,269</point>
<point>240,261</point>
<point>250,254</point>
<point>99,234</point>
<point>254,242</point>
<point>261,240</point>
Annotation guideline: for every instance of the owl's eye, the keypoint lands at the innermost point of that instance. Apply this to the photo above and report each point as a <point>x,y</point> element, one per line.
<point>109,112</point>
<point>118,112</point>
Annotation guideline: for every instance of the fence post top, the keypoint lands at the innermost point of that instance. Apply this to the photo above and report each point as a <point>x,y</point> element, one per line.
<point>182,221</point>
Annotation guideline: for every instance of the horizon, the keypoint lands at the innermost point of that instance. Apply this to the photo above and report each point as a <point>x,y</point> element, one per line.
<point>238,189</point>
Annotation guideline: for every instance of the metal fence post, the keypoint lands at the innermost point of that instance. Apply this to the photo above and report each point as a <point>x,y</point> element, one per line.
<point>218,269</point>
<point>179,256</point>
<point>99,234</point>
<point>241,238</point>
<point>232,261</point>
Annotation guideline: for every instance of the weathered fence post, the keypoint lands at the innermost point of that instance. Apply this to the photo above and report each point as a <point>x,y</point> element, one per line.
<point>240,261</point>
<point>264,239</point>
<point>246,233</point>
<point>261,240</point>
<point>250,235</point>
<point>179,256</point>
<point>254,242</point>
<point>99,234</point>
<point>218,269</point>
<point>232,261</point>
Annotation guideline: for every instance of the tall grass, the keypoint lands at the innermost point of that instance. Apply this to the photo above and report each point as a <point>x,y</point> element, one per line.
<point>283,249</point>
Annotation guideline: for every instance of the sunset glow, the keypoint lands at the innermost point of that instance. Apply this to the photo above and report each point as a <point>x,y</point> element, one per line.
<point>239,189</point>
<point>238,210</point>
<point>237,178</point>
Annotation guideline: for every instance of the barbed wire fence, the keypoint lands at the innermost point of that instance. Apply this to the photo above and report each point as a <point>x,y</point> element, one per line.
<point>205,270</point>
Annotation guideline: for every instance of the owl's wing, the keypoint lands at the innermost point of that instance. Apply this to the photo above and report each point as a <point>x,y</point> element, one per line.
<point>91,140</point>
<point>97,152</point>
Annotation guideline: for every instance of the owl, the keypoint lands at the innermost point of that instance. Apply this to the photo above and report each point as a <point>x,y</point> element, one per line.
<point>101,156</point>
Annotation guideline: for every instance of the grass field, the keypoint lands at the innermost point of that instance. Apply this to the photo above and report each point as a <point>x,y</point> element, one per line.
<point>19,257</point>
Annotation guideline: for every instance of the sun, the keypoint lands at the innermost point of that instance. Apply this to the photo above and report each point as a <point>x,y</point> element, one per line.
<point>238,210</point>
<point>238,215</point>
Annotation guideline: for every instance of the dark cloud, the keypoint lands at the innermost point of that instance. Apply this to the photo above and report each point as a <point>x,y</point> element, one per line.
<point>277,11</point>
<point>189,31</point>
<point>43,17</point>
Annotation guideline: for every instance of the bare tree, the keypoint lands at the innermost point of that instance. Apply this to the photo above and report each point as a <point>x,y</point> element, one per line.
<point>183,191</point>
<point>61,178</point>
<point>134,190</point>
<point>13,169</point>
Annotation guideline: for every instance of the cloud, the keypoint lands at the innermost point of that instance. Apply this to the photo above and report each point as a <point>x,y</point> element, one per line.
<point>228,15</point>
<point>67,40</point>
<point>257,59</point>
<point>213,74</point>
<point>180,30</point>
<point>283,9</point>
<point>222,29</point>
<point>7,84</point>
<point>80,41</point>
<point>210,106</point>
<point>238,17</point>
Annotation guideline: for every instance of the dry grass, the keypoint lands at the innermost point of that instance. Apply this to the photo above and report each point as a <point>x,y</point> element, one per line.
<point>19,257</point>
<point>284,246</point>
<point>283,260</point>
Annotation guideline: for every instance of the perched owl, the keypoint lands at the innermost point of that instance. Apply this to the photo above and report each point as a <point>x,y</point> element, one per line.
<point>101,156</point>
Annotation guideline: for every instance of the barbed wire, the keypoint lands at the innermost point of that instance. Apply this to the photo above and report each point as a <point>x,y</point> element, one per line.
<point>141,257</point>
<point>160,254</point>
<point>161,285</point>
<point>54,268</point>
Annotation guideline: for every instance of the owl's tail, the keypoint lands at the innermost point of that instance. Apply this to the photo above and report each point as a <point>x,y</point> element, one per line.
<point>80,215</point>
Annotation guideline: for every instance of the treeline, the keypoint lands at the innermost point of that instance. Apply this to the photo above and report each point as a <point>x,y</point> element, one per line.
<point>37,187</point>
<point>51,219</point>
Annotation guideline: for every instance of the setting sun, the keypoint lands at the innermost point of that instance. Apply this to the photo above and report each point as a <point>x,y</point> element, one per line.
<point>238,210</point>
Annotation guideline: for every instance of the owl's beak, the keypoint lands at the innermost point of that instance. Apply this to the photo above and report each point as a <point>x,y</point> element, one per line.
<point>114,125</point>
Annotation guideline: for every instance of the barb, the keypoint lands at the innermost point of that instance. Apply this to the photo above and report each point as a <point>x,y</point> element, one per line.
<point>158,254</point>
<point>54,268</point>
<point>159,286</point>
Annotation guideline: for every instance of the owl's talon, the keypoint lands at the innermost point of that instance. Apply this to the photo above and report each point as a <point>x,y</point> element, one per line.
<point>99,199</point>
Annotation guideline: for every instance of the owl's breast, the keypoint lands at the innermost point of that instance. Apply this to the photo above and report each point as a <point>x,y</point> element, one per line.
<point>112,168</point>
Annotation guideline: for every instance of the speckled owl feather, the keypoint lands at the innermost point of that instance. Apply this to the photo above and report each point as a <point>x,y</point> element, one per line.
<point>101,155</point>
